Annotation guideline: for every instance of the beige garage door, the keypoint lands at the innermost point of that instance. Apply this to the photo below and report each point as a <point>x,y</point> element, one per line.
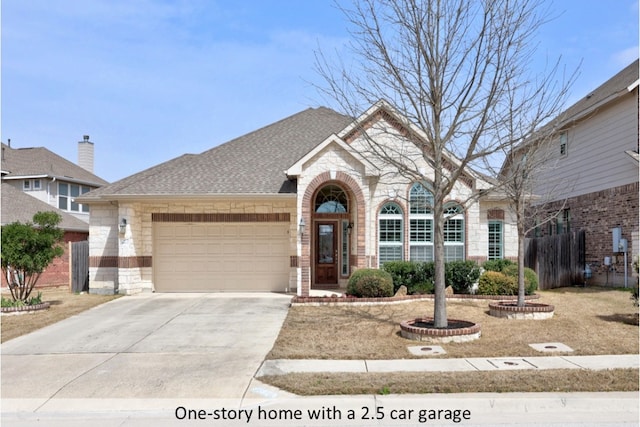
<point>203,257</point>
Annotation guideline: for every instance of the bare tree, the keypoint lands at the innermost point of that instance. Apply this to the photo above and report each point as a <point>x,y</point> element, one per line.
<point>530,141</point>
<point>450,68</point>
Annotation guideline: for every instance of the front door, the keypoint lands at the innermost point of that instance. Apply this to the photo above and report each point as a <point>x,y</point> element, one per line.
<point>326,256</point>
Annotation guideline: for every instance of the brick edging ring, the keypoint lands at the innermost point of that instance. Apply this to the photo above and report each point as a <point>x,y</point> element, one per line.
<point>529,307</point>
<point>348,300</point>
<point>25,308</point>
<point>463,334</point>
<point>510,310</point>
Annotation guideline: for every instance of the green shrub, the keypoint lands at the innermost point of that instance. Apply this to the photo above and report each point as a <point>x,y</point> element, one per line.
<point>498,265</point>
<point>530,281</point>
<point>496,283</point>
<point>403,273</point>
<point>421,288</point>
<point>530,278</point>
<point>417,277</point>
<point>370,283</point>
<point>6,302</point>
<point>461,275</point>
<point>35,300</point>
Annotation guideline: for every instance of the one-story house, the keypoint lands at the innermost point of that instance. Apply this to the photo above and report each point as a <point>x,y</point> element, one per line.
<point>297,205</point>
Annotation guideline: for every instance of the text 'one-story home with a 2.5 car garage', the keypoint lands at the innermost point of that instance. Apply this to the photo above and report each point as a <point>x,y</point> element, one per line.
<point>297,205</point>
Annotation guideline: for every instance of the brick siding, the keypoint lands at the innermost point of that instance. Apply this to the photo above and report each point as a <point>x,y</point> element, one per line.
<point>597,213</point>
<point>57,273</point>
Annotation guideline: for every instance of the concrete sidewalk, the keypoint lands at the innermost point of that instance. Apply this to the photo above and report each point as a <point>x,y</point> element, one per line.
<point>286,366</point>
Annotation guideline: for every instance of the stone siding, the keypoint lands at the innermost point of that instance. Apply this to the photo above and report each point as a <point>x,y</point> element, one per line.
<point>132,270</point>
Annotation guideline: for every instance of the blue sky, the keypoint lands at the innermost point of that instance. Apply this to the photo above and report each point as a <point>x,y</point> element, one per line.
<point>150,80</point>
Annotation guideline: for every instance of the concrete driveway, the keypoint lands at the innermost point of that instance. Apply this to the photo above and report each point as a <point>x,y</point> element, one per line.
<point>150,346</point>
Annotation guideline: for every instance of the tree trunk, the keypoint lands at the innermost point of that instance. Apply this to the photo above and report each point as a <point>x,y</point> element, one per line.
<point>440,301</point>
<point>521,231</point>
<point>521,293</point>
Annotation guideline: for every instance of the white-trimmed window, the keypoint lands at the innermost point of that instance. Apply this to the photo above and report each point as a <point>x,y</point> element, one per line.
<point>420,223</point>
<point>346,230</point>
<point>496,240</point>
<point>390,233</point>
<point>31,184</point>
<point>332,199</point>
<point>563,143</point>
<point>453,232</point>
<point>67,194</point>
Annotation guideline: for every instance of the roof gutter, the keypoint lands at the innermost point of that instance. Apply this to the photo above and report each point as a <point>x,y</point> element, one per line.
<point>54,177</point>
<point>151,197</point>
<point>581,114</point>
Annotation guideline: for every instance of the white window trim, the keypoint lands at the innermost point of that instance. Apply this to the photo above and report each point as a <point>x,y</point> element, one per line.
<point>426,216</point>
<point>70,198</point>
<point>563,143</point>
<point>457,217</point>
<point>501,244</point>
<point>392,217</point>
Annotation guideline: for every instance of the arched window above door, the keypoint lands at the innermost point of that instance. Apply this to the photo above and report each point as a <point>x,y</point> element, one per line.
<point>331,199</point>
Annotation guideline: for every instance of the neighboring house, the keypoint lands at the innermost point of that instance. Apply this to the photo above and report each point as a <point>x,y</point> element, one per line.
<point>593,183</point>
<point>34,180</point>
<point>20,206</point>
<point>50,178</point>
<point>297,205</point>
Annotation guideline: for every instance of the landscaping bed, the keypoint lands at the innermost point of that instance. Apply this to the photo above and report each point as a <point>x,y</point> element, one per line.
<point>351,300</point>
<point>589,320</point>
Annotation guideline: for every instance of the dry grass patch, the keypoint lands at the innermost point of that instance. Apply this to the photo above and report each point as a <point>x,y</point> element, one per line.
<point>563,380</point>
<point>63,304</point>
<point>589,320</point>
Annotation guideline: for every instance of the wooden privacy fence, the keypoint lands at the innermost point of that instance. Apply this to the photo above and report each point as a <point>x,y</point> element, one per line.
<point>559,260</point>
<point>79,266</point>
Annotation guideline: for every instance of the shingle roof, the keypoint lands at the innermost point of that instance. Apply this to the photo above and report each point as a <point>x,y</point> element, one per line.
<point>251,164</point>
<point>615,85</point>
<point>19,206</point>
<point>18,162</point>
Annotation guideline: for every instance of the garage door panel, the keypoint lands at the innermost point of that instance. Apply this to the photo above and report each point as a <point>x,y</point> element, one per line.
<point>182,231</point>
<point>213,250</point>
<point>214,231</point>
<point>205,257</point>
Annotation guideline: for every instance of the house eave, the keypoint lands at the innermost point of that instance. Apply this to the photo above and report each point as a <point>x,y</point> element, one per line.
<point>184,197</point>
<point>633,154</point>
<point>56,177</point>
<point>296,169</point>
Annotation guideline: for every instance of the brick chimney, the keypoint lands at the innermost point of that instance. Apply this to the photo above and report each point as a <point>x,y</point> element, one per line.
<point>85,154</point>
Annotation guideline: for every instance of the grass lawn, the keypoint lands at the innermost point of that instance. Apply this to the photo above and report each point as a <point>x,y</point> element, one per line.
<point>63,304</point>
<point>589,320</point>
